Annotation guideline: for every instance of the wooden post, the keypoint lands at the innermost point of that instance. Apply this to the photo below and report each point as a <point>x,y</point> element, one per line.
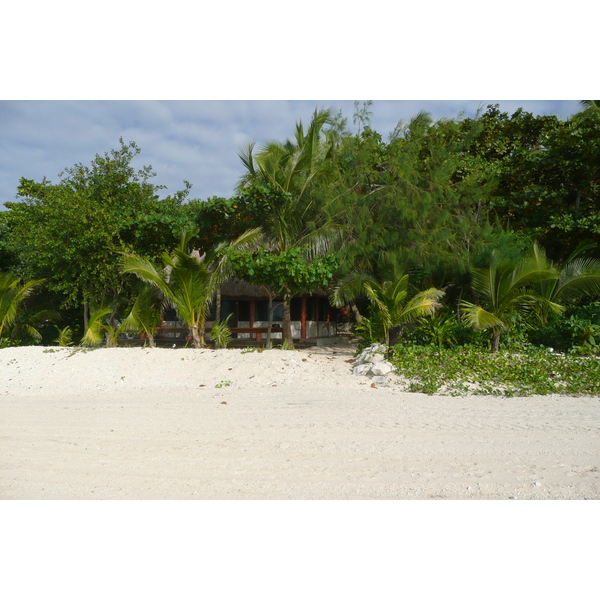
<point>303,317</point>
<point>251,321</point>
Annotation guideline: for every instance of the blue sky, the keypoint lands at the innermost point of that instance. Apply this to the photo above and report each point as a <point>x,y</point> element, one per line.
<point>193,140</point>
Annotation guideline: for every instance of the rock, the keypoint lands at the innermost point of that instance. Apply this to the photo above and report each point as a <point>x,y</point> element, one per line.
<point>382,368</point>
<point>380,379</point>
<point>361,369</point>
<point>372,362</point>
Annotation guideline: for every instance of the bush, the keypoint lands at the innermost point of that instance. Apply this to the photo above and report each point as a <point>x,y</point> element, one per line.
<point>477,371</point>
<point>220,333</point>
<point>577,331</point>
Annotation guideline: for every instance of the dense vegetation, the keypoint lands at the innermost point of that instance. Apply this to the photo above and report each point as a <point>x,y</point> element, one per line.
<point>449,239</point>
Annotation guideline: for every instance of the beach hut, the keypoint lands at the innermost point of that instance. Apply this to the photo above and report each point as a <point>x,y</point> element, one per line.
<point>314,319</point>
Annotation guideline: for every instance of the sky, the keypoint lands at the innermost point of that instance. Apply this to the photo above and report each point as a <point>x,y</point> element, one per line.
<point>193,140</point>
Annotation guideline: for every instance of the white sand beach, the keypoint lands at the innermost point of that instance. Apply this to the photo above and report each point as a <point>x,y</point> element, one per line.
<point>133,423</point>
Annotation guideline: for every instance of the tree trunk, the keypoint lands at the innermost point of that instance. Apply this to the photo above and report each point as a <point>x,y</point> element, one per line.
<point>270,325</point>
<point>151,340</point>
<point>86,316</point>
<point>196,337</point>
<point>287,320</point>
<point>357,315</point>
<point>218,305</point>
<point>495,341</point>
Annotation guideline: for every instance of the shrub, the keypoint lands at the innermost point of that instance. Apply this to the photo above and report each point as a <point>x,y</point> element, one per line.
<point>477,371</point>
<point>220,333</point>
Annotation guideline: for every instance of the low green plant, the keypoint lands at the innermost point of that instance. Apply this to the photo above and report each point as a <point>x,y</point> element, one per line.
<point>99,331</point>
<point>476,371</point>
<point>65,336</point>
<point>223,383</point>
<point>439,329</point>
<point>576,332</point>
<point>220,333</point>
<point>286,345</point>
<point>370,331</point>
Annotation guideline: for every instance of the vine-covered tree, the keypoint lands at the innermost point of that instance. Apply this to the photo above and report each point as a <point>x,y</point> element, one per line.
<point>296,218</point>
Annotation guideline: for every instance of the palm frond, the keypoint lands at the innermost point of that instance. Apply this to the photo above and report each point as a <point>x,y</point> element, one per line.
<point>580,277</point>
<point>421,305</point>
<point>479,318</point>
<point>146,271</point>
<point>96,327</point>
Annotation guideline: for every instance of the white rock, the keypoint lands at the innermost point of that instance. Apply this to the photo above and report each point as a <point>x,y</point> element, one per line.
<point>361,369</point>
<point>382,368</point>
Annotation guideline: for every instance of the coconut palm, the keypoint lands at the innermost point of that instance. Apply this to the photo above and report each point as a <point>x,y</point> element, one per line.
<point>590,104</point>
<point>189,283</point>
<point>98,330</point>
<point>297,219</point>
<point>12,295</point>
<point>506,288</point>
<point>389,298</point>
<point>578,277</point>
<point>145,315</point>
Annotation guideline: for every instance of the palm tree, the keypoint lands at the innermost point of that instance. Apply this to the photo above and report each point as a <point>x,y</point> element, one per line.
<point>98,330</point>
<point>506,288</point>
<point>388,296</point>
<point>187,282</point>
<point>298,219</point>
<point>578,277</point>
<point>145,315</point>
<point>590,104</point>
<point>12,295</point>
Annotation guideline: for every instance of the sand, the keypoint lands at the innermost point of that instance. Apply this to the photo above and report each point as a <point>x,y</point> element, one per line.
<point>132,423</point>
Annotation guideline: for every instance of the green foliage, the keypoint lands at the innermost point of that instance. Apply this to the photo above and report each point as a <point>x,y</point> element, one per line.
<point>285,345</point>
<point>186,282</point>
<point>65,336</point>
<point>145,315</point>
<point>577,331</point>
<point>99,330</point>
<point>370,330</point>
<point>286,271</point>
<point>220,333</point>
<point>297,217</point>
<point>440,330</point>
<point>13,294</point>
<point>472,371</point>
<point>505,289</point>
<point>389,298</point>
<point>72,232</point>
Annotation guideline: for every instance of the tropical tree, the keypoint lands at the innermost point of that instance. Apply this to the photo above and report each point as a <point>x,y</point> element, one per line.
<point>590,104</point>
<point>389,297</point>
<point>298,217</point>
<point>579,277</point>
<point>73,232</point>
<point>145,315</point>
<point>13,294</point>
<point>506,288</point>
<point>99,330</point>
